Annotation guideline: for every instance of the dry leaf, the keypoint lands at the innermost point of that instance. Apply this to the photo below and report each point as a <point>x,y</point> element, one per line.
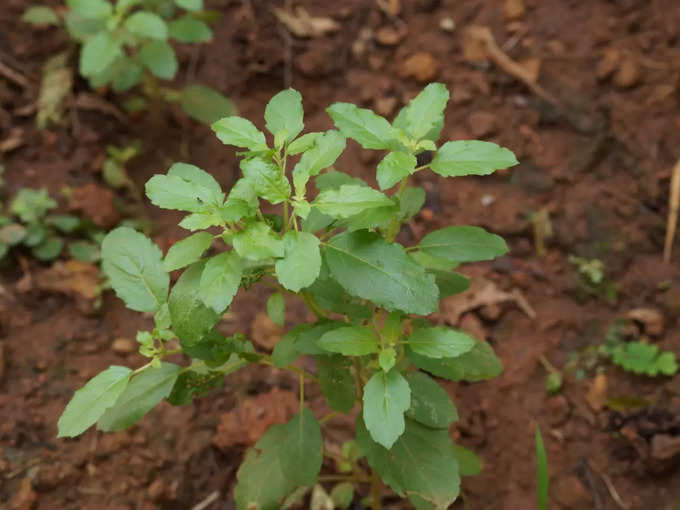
<point>74,278</point>
<point>302,24</point>
<point>55,87</point>
<point>597,393</point>
<point>482,292</point>
<point>514,9</point>
<point>264,331</point>
<point>422,66</point>
<point>651,318</point>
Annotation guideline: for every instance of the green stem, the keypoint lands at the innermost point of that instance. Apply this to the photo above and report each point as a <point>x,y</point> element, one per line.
<point>329,416</point>
<point>393,229</point>
<point>285,216</point>
<point>313,305</point>
<point>376,491</point>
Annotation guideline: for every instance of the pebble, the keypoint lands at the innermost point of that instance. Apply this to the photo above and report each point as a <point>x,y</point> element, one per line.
<point>123,346</point>
<point>422,66</point>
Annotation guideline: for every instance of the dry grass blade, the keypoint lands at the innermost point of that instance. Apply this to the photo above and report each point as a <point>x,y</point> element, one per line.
<point>673,206</point>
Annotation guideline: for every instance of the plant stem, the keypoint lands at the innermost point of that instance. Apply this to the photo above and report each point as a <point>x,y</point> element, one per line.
<point>302,392</point>
<point>313,305</point>
<point>329,416</point>
<point>376,491</point>
<point>285,216</point>
<point>392,230</point>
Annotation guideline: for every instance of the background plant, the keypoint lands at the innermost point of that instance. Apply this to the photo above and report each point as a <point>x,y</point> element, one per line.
<point>337,252</point>
<point>127,43</point>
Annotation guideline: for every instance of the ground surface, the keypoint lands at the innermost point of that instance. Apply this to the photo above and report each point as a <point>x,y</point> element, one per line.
<point>599,165</point>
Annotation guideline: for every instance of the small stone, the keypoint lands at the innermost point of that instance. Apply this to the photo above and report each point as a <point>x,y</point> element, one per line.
<point>447,24</point>
<point>385,106</point>
<point>514,9</point>
<point>558,410</point>
<point>628,74</point>
<point>482,124</point>
<point>389,36</point>
<point>422,66</point>
<point>650,318</point>
<point>123,346</point>
<point>571,494</point>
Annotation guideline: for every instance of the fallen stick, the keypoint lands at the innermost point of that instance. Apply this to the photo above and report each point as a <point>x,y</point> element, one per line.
<point>673,206</point>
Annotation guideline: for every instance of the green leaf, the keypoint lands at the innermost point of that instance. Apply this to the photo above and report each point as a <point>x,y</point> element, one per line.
<point>85,251</point>
<point>387,359</point>
<point>350,200</point>
<point>450,282</point>
<point>463,244</point>
<point>430,404</point>
<point>471,157</point>
<point>91,8</point>
<point>342,495</point>
<point>337,382</point>
<point>189,29</point>
<point>331,296</point>
<point>40,15</point>
<point>91,401</point>
<point>276,308</point>
<point>30,205</point>
<point>478,364</point>
<point>49,249</point>
<point>386,397</point>
<point>307,336</point>
<point>350,341</point>
<point>301,452</point>
<point>220,281</point>
<point>394,167</point>
<point>185,188</point>
<point>327,149</point>
<point>147,24</point>
<point>135,268</point>
<point>302,144</point>
<point>301,263</point>
<point>191,319</point>
<point>411,202</point>
<point>98,53</point>
<point>284,114</point>
<point>266,179</point>
<point>440,342</point>
<point>334,179</point>
<point>190,5</point>
<point>285,351</point>
<point>159,58</point>
<point>420,465</point>
<point>258,242</point>
<point>145,390</point>
<point>368,267</point>
<point>468,462</point>
<point>425,112</point>
<point>366,127</point>
<point>542,476</point>
<point>262,484</point>
<point>642,358</point>
<point>187,251</point>
<point>205,104</point>
<point>192,384</point>
<point>128,73</point>
<point>239,132</point>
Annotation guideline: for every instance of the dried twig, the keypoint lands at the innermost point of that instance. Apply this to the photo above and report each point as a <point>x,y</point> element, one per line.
<point>14,76</point>
<point>212,497</point>
<point>673,206</point>
<point>610,487</point>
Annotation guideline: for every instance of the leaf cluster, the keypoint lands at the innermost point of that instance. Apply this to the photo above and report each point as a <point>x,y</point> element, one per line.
<point>336,249</point>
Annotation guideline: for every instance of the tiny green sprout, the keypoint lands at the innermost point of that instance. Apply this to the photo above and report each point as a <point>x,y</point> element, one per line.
<point>126,44</point>
<point>333,241</point>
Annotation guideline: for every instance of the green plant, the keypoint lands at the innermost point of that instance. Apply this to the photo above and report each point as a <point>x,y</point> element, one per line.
<point>542,475</point>
<point>593,281</point>
<point>127,44</point>
<point>338,254</point>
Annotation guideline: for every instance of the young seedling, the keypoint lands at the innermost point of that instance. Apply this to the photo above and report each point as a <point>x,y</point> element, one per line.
<point>126,43</point>
<point>339,253</point>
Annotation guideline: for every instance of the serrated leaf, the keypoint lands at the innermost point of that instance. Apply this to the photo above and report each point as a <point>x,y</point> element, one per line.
<point>326,150</point>
<point>478,364</point>
<point>140,396</point>
<point>185,188</point>
<point>284,114</point>
<point>135,268</point>
<point>471,157</point>
<point>387,358</point>
<point>205,104</point>
<point>642,358</point>
<point>147,24</point>
<point>350,341</point>
<point>301,452</point>
<point>430,404</point>
<point>159,58</point>
<point>387,397</point>
<point>468,462</point>
<point>337,382</point>
<point>334,179</point>
<point>394,167</point>
<point>301,263</point>
<point>463,244</point>
<point>440,342</point>
<point>366,127</point>
<point>424,113</point>
<point>267,180</point>
<point>91,401</point>
<point>350,200</point>
<point>302,144</point>
<point>262,463</point>
<point>40,15</point>
<point>187,251</point>
<point>189,29</point>
<point>239,132</point>
<point>191,319</point>
<point>368,267</point>
<point>258,242</point>
<point>276,309</point>
<point>420,465</point>
<point>220,280</point>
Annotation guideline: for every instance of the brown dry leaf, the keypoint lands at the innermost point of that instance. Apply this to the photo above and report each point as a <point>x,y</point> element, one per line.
<point>474,47</point>
<point>55,87</point>
<point>482,292</point>
<point>246,424</point>
<point>422,66</point>
<point>597,393</point>
<point>264,331</point>
<point>533,67</point>
<point>25,498</point>
<point>650,318</point>
<point>13,141</point>
<point>514,9</point>
<point>74,278</point>
<point>96,203</point>
<point>303,24</point>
